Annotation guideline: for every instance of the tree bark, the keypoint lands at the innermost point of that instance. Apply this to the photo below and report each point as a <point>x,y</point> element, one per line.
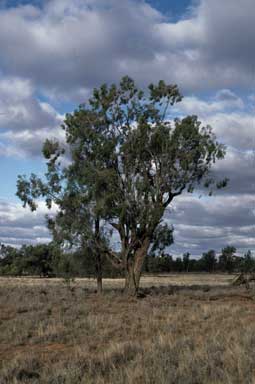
<point>98,259</point>
<point>134,269</point>
<point>99,273</point>
<point>130,282</point>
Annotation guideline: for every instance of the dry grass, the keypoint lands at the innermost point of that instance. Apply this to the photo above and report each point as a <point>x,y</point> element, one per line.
<point>51,334</point>
<point>176,279</point>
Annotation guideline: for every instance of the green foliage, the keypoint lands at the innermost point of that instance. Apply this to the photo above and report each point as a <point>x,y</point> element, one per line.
<point>186,260</point>
<point>226,259</point>
<point>248,263</point>
<point>162,238</point>
<point>209,260</point>
<point>163,263</point>
<point>48,260</point>
<point>29,260</point>
<point>127,163</point>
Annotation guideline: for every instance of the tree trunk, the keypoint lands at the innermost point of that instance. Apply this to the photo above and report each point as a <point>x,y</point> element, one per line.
<point>98,259</point>
<point>130,281</point>
<point>134,269</point>
<point>99,273</point>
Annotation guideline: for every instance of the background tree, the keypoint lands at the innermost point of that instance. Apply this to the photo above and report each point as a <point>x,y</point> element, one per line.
<point>178,265</point>
<point>128,162</point>
<point>248,262</point>
<point>185,261</point>
<point>48,260</point>
<point>8,257</point>
<point>37,259</point>
<point>226,259</point>
<point>29,260</point>
<point>209,260</point>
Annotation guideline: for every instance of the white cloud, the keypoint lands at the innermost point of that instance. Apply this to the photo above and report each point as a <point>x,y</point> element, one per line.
<point>212,223</point>
<point>25,121</point>
<point>232,120</point>
<point>193,105</point>
<point>66,47</point>
<point>235,129</point>
<point>20,226</point>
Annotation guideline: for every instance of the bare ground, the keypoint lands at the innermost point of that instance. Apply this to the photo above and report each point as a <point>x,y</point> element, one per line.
<point>183,329</point>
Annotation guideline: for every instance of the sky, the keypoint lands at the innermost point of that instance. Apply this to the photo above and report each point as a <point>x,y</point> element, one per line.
<point>54,52</point>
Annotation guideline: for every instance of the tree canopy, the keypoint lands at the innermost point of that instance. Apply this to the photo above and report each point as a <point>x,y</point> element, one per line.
<point>126,160</point>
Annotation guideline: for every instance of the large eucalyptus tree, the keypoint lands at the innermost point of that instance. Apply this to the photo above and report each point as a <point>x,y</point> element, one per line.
<point>128,160</point>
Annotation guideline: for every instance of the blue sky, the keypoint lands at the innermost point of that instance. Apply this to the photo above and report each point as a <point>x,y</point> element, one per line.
<point>54,52</point>
<point>172,9</point>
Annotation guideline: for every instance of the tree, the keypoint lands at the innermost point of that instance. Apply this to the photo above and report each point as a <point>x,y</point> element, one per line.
<point>185,261</point>
<point>37,259</point>
<point>209,260</point>
<point>248,262</point>
<point>178,264</point>
<point>226,259</point>
<point>162,238</point>
<point>128,162</point>
<point>28,260</point>
<point>8,257</point>
<point>167,263</point>
<point>80,230</point>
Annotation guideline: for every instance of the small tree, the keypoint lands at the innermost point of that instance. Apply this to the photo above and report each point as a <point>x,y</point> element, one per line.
<point>248,262</point>
<point>209,260</point>
<point>178,265</point>
<point>77,224</point>
<point>128,162</point>
<point>185,261</point>
<point>37,259</point>
<point>226,259</point>
<point>8,260</point>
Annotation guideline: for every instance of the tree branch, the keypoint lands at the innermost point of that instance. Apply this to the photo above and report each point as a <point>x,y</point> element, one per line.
<point>171,196</point>
<point>113,258</point>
